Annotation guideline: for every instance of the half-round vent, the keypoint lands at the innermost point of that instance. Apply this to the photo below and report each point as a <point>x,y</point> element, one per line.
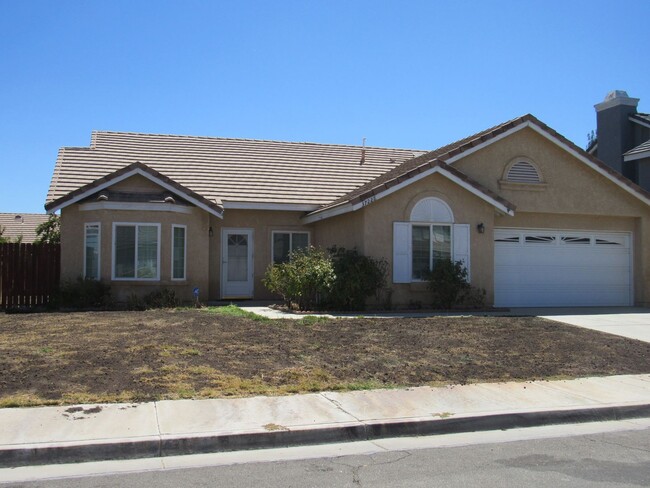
<point>523,172</point>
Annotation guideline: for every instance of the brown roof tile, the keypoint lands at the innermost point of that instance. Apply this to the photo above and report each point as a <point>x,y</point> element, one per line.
<point>15,225</point>
<point>221,169</point>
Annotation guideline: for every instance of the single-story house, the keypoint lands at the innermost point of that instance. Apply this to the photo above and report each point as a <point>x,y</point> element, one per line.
<point>21,226</point>
<point>536,220</point>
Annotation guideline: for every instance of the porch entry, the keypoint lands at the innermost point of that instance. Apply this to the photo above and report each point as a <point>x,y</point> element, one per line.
<point>236,263</point>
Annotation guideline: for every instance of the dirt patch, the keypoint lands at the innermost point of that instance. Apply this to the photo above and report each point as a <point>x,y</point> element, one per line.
<point>97,357</point>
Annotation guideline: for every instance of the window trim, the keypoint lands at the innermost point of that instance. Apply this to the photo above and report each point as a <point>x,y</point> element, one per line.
<point>430,225</point>
<point>136,225</point>
<point>290,232</point>
<point>99,248</point>
<point>184,227</point>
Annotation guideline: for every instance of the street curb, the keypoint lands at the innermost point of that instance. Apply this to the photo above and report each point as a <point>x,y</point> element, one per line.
<point>162,446</point>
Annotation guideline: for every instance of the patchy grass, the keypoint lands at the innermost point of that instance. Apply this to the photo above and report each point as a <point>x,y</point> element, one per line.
<point>93,357</point>
<point>233,310</point>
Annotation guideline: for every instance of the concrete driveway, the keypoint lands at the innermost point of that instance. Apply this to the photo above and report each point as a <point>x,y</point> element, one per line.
<point>632,322</point>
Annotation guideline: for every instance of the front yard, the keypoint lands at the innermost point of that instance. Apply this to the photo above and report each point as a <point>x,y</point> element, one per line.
<point>91,357</point>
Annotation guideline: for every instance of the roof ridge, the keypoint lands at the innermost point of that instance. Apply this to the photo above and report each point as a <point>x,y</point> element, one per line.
<point>98,133</point>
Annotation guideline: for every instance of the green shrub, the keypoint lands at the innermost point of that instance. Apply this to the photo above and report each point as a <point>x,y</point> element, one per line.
<point>446,281</point>
<point>357,278</point>
<point>83,293</point>
<point>302,281</point>
<point>162,298</point>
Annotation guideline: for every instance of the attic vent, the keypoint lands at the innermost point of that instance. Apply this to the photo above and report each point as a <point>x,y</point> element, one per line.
<point>523,172</point>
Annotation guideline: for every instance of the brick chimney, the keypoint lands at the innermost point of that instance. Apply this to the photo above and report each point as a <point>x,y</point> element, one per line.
<point>614,130</point>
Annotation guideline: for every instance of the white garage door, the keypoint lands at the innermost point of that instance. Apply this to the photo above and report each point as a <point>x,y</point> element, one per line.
<point>546,268</point>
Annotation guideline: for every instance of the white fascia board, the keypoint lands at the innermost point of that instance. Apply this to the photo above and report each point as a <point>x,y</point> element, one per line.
<point>344,208</point>
<point>138,206</point>
<point>589,163</point>
<point>486,143</point>
<point>326,214</point>
<point>446,174</point>
<point>129,174</point>
<point>634,157</point>
<point>290,207</point>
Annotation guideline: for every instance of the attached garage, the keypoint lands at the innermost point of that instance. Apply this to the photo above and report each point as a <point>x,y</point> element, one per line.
<point>546,268</point>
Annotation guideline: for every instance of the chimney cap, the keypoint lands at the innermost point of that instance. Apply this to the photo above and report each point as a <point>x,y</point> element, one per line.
<point>615,98</point>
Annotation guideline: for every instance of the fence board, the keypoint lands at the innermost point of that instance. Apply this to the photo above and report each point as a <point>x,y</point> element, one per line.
<point>29,274</point>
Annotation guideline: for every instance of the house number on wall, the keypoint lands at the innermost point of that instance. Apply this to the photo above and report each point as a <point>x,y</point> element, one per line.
<point>368,201</point>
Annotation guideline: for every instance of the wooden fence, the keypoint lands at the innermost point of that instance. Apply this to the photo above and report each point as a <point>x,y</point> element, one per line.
<point>29,274</point>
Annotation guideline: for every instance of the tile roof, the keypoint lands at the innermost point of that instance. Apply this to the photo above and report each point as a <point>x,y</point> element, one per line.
<point>641,148</point>
<point>130,170</point>
<point>15,225</point>
<point>320,176</point>
<point>428,160</point>
<point>220,169</point>
<point>639,117</point>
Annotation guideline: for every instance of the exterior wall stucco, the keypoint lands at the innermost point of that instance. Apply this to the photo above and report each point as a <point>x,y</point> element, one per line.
<point>575,196</point>
<point>467,209</point>
<point>263,223</point>
<point>73,222</point>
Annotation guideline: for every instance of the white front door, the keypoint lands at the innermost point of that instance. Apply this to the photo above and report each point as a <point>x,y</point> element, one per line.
<point>551,268</point>
<point>237,263</point>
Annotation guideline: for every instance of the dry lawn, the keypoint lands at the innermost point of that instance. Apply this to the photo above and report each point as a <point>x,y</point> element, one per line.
<point>63,358</point>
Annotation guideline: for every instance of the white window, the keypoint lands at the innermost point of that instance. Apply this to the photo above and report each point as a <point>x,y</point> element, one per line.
<point>92,240</point>
<point>179,252</point>
<point>429,237</point>
<point>136,251</point>
<point>430,244</point>
<point>285,243</point>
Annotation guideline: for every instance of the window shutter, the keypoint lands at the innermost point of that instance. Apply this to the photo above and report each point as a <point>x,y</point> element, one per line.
<point>460,242</point>
<point>401,252</point>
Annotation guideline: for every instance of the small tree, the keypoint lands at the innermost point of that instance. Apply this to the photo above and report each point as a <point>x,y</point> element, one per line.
<point>303,280</point>
<point>446,281</point>
<point>49,232</point>
<point>3,240</point>
<point>357,278</point>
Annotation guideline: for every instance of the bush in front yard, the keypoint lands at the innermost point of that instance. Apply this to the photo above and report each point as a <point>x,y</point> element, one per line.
<point>357,278</point>
<point>83,293</point>
<point>302,281</point>
<point>446,281</point>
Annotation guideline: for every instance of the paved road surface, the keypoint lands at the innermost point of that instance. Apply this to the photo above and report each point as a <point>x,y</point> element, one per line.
<point>604,455</point>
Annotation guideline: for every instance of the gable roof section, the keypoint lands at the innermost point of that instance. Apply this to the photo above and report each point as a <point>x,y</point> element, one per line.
<point>414,175</point>
<point>412,170</point>
<point>133,169</point>
<point>237,173</point>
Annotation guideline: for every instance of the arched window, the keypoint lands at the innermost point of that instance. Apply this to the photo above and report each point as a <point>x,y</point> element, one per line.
<point>432,210</point>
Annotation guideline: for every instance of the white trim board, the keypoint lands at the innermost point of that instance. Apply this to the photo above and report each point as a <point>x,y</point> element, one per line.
<point>129,174</point>
<point>436,169</point>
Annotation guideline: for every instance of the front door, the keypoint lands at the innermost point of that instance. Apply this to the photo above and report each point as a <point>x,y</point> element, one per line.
<point>236,263</point>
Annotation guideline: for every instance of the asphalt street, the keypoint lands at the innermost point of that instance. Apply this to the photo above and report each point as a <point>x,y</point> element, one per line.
<point>612,454</point>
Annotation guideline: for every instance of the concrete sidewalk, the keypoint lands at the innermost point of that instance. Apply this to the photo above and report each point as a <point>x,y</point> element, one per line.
<point>48,435</point>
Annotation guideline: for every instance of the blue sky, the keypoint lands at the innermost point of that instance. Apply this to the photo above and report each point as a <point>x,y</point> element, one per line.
<point>416,74</point>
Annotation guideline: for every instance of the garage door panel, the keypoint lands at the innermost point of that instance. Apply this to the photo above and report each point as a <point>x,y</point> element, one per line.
<point>569,268</point>
<point>570,275</point>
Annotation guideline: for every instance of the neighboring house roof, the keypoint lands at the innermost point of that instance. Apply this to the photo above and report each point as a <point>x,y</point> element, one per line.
<point>410,170</point>
<point>230,171</point>
<point>15,225</point>
<point>136,168</point>
<point>640,152</point>
<point>641,119</point>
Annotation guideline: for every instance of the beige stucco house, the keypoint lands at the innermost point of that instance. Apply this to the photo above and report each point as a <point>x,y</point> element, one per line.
<point>536,220</point>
